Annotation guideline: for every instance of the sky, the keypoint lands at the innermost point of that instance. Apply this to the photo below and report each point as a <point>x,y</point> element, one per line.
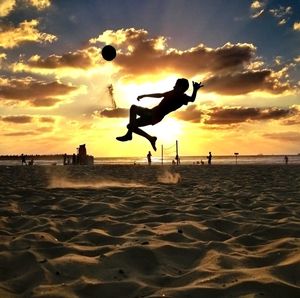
<point>57,91</point>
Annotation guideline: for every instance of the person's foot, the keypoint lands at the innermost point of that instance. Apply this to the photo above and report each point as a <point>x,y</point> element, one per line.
<point>153,141</point>
<point>124,138</point>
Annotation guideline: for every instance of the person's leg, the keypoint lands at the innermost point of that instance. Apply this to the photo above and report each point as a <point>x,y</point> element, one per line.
<point>133,112</point>
<point>134,124</point>
<point>142,133</point>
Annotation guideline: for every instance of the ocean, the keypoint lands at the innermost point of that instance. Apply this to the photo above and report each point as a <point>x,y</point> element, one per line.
<point>184,160</point>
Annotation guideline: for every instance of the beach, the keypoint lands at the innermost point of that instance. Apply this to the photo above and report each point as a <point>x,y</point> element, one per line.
<point>150,231</point>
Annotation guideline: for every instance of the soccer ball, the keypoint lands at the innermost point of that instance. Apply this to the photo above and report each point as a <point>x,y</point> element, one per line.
<point>109,53</point>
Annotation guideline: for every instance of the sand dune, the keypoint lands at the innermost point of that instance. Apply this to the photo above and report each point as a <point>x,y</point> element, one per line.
<point>139,231</point>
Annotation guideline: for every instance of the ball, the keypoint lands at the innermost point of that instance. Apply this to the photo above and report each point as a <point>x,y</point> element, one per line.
<point>109,53</point>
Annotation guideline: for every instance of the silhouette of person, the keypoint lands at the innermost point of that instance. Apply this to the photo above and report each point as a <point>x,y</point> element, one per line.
<point>172,100</point>
<point>209,157</point>
<point>149,158</point>
<point>286,159</point>
<point>73,159</point>
<point>177,158</point>
<point>23,159</point>
<point>65,158</point>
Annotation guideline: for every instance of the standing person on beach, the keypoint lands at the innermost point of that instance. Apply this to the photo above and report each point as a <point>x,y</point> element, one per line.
<point>286,159</point>
<point>172,100</point>
<point>23,159</point>
<point>209,158</point>
<point>149,158</point>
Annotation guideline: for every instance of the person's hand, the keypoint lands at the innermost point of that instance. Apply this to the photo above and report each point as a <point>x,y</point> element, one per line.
<point>140,97</point>
<point>197,86</point>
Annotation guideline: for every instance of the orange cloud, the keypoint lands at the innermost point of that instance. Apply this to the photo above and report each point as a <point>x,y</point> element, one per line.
<point>35,92</point>
<point>296,26</point>
<point>288,136</point>
<point>191,114</point>
<point>232,69</point>
<point>79,59</point>
<point>11,37</point>
<point>17,119</point>
<point>232,115</point>
<point>45,102</point>
<point>115,113</point>
<point>28,119</point>
<point>245,82</point>
<point>6,6</point>
<point>47,119</point>
<point>139,55</point>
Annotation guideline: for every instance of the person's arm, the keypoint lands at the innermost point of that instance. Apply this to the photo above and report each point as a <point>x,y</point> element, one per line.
<point>196,87</point>
<point>156,95</point>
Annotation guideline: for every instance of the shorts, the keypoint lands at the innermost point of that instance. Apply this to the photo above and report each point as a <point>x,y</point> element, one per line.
<point>148,115</point>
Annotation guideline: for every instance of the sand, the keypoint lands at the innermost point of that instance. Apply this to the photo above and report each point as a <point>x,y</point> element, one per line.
<point>140,231</point>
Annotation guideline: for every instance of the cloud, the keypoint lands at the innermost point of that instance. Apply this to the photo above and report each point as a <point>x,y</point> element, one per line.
<point>3,57</point>
<point>296,26</point>
<point>114,113</point>
<point>191,114</point>
<point>25,119</point>
<point>257,8</point>
<point>40,4</point>
<point>231,115</point>
<point>246,82</point>
<point>231,69</point>
<point>295,118</point>
<point>47,119</point>
<point>219,115</point>
<point>23,133</point>
<point>282,13</point>
<point>11,37</point>
<point>17,119</point>
<point>83,59</point>
<point>20,133</point>
<point>256,5</point>
<point>288,136</point>
<point>139,55</point>
<point>44,102</point>
<point>282,22</point>
<point>6,6</point>
<point>37,93</point>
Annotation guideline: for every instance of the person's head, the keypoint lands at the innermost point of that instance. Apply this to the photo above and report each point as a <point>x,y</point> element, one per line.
<point>181,85</point>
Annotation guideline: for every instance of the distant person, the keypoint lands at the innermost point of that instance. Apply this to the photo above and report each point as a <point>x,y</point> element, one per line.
<point>177,158</point>
<point>65,158</point>
<point>209,158</point>
<point>202,162</point>
<point>149,158</point>
<point>30,163</point>
<point>23,159</point>
<point>286,159</point>
<point>173,162</point>
<point>172,100</point>
<point>74,159</point>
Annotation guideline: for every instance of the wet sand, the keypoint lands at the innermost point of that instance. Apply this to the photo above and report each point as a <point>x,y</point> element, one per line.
<point>140,231</point>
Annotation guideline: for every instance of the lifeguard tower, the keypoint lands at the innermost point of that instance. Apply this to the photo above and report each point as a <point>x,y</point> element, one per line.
<point>82,157</point>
